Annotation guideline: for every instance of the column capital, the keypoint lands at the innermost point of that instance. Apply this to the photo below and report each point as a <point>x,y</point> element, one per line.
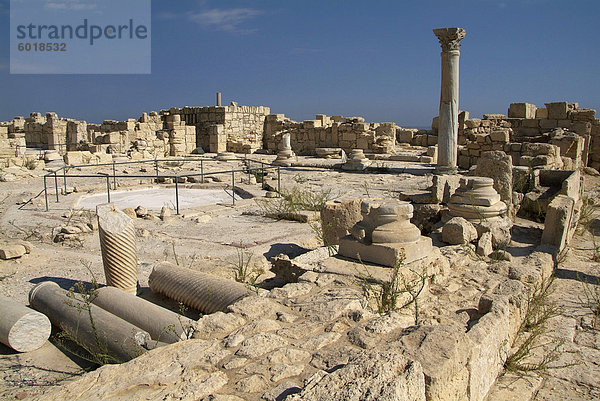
<point>450,38</point>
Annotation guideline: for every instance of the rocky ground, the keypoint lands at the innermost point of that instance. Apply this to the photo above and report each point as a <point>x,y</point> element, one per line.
<point>298,335</point>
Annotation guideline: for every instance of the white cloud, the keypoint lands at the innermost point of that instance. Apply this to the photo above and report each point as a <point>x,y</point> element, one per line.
<point>70,5</point>
<point>225,19</point>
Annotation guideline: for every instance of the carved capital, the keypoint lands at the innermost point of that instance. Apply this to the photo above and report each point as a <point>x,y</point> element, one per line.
<point>450,37</point>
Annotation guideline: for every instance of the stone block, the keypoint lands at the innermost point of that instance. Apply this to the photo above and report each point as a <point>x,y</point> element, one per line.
<point>12,251</point>
<point>405,135</point>
<point>557,110</point>
<point>473,123</point>
<point>338,218</point>
<point>521,110</point>
<point>546,124</point>
<point>541,112</point>
<point>583,114</point>
<point>385,254</point>
<point>494,117</point>
<point>73,158</point>
<point>559,222</point>
<point>458,231</point>
<point>500,136</point>
<point>530,123</point>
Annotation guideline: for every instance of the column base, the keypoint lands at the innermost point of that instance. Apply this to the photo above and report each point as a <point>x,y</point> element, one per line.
<point>441,170</point>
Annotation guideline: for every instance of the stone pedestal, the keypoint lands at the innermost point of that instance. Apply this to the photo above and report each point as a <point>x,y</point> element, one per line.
<point>476,200</point>
<point>226,156</point>
<point>448,120</point>
<point>285,154</point>
<point>385,235</point>
<point>357,161</point>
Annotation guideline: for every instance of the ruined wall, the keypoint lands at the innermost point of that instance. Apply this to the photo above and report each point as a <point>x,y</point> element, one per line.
<point>330,132</point>
<point>557,136</point>
<point>226,128</point>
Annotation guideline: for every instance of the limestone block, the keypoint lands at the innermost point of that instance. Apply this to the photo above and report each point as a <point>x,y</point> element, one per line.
<point>559,222</point>
<point>458,231</point>
<point>500,136</point>
<point>369,375</point>
<point>338,218</point>
<point>12,251</point>
<point>583,114</point>
<point>541,112</point>
<point>484,245</point>
<point>546,124</point>
<point>73,158</point>
<point>557,110</point>
<point>497,165</point>
<point>521,110</point>
<point>473,123</point>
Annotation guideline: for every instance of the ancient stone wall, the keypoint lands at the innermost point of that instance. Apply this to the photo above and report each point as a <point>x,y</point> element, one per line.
<point>561,135</point>
<point>327,132</point>
<point>226,128</point>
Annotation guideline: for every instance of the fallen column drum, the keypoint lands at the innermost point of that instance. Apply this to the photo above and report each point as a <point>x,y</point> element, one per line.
<point>162,324</point>
<point>22,328</point>
<point>203,292</point>
<point>97,330</point>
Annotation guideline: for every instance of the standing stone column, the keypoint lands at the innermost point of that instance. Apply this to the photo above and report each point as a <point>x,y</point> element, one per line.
<point>285,154</point>
<point>218,98</point>
<point>448,123</point>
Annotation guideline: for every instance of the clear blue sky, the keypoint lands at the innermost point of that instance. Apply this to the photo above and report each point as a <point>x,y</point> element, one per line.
<point>377,59</point>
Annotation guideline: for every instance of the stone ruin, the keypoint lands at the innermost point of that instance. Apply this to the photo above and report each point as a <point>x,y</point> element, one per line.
<point>315,336</point>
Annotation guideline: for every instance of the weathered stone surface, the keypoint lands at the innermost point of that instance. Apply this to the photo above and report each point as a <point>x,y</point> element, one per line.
<point>385,235</point>
<point>484,245</point>
<point>183,371</point>
<point>12,251</point>
<point>458,231</point>
<point>217,325</point>
<point>260,344</point>
<point>372,375</point>
<point>559,222</point>
<point>498,166</point>
<point>338,218</point>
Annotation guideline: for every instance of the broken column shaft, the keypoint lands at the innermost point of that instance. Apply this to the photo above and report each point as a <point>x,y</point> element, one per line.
<point>218,98</point>
<point>201,291</point>
<point>21,328</point>
<point>117,243</point>
<point>97,330</point>
<point>162,324</point>
<point>448,122</point>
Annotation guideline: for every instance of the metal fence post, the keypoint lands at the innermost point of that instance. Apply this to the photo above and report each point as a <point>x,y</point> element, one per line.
<point>46,192</point>
<point>262,171</point>
<point>156,169</point>
<point>202,170</point>
<point>177,194</point>
<point>233,186</point>
<point>108,187</point>
<point>278,182</point>
<point>114,176</point>
<point>56,185</point>
<point>65,180</point>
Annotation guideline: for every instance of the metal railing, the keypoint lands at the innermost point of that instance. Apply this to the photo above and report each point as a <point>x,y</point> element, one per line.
<point>62,173</point>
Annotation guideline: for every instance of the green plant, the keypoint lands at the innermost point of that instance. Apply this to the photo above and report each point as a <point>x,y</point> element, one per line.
<point>591,300</point>
<point>365,186</point>
<point>298,179</point>
<point>180,261</point>
<point>321,231</point>
<point>245,272</point>
<point>586,214</point>
<point>538,311</point>
<point>294,200</point>
<point>81,298</point>
<point>403,285</point>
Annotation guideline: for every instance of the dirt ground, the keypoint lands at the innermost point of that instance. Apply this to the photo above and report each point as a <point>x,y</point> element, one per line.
<point>212,237</point>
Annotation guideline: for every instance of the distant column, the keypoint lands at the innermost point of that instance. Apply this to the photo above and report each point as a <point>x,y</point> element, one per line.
<point>218,98</point>
<point>448,122</point>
